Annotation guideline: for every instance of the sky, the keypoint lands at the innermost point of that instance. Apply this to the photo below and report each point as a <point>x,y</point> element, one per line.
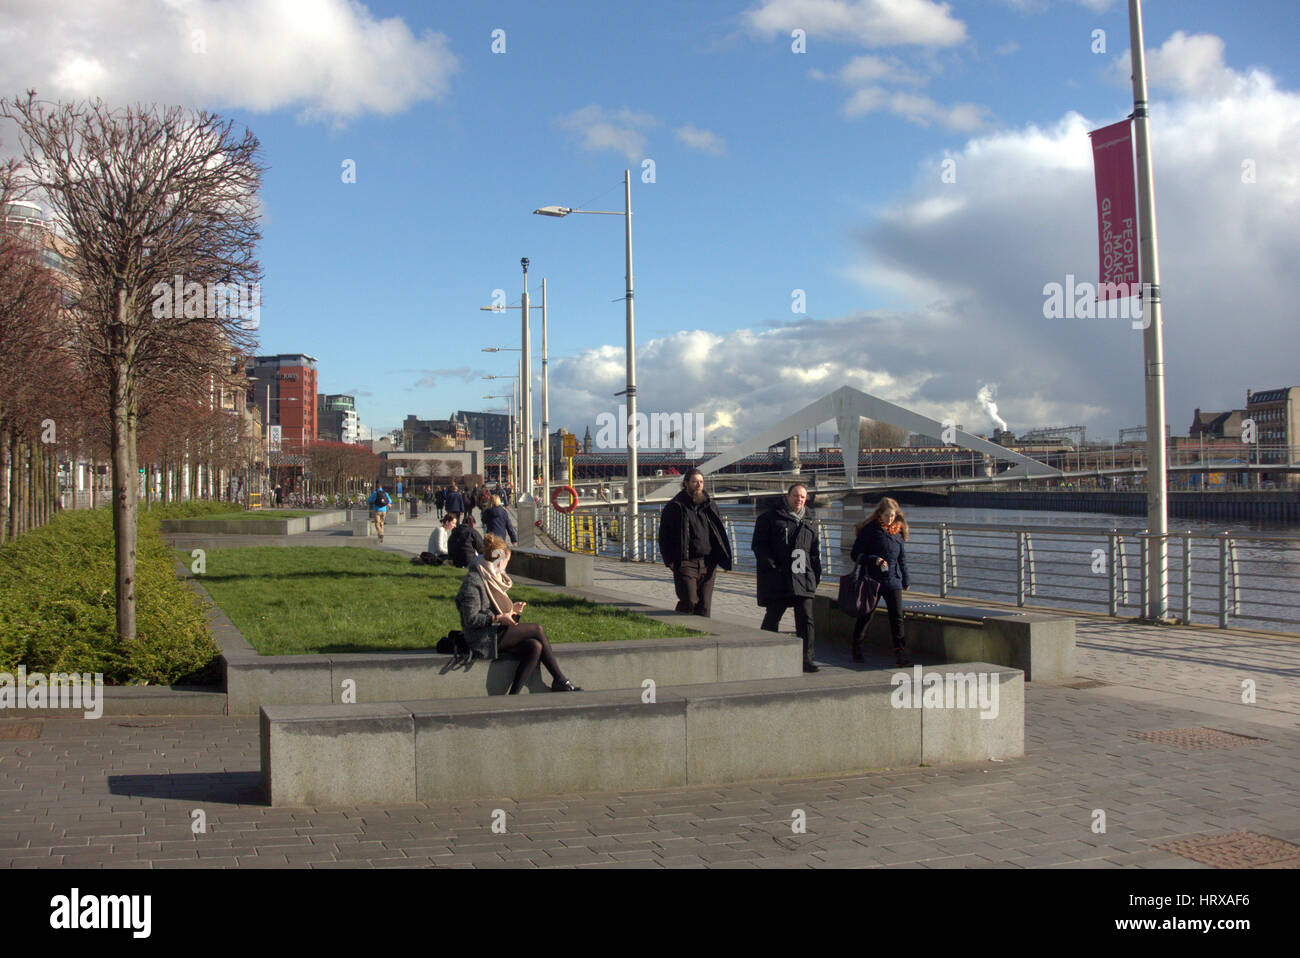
<point>870,193</point>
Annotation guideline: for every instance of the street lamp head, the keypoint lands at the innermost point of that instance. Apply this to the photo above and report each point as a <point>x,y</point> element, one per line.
<point>553,211</point>
<point>524,263</point>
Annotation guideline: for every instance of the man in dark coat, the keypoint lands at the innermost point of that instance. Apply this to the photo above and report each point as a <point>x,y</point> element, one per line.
<point>693,542</point>
<point>789,566</point>
<point>454,502</point>
<point>465,543</point>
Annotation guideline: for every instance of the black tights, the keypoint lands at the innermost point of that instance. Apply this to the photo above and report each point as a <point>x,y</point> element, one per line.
<point>529,642</point>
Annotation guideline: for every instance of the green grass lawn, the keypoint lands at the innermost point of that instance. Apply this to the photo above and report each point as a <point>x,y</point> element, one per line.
<point>290,601</point>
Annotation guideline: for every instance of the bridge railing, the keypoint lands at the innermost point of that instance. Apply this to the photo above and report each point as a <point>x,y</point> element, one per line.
<point>1226,579</point>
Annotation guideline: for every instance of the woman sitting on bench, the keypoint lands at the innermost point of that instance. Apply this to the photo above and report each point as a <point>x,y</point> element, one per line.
<point>491,623</point>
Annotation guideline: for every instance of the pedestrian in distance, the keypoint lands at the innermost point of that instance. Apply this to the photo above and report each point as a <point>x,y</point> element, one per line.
<point>694,544</point>
<point>491,621</point>
<point>789,566</point>
<point>454,502</point>
<point>878,547</point>
<point>497,522</point>
<point>379,502</point>
<point>439,498</point>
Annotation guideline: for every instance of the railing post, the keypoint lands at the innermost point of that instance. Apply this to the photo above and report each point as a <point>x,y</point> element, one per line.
<point>1143,545</point>
<point>943,560</point>
<point>1114,565</point>
<point>1224,572</point>
<point>1020,568</point>
<point>1236,579</point>
<point>1029,559</point>
<point>1187,578</point>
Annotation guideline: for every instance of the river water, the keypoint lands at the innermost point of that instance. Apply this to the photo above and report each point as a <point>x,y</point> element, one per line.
<point>1258,578</point>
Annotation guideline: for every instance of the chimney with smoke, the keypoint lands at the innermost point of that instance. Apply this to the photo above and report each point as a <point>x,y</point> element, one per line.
<point>985,398</point>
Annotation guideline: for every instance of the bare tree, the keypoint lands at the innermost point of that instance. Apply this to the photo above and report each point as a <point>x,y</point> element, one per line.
<point>154,203</point>
<point>880,435</point>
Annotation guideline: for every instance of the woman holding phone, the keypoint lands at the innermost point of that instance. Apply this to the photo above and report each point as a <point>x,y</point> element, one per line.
<point>490,620</point>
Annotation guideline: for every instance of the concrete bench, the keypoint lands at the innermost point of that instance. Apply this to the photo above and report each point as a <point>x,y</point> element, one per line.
<point>546,565</point>
<point>236,527</point>
<point>1041,646</point>
<point>326,520</point>
<point>516,746</point>
<point>732,653</point>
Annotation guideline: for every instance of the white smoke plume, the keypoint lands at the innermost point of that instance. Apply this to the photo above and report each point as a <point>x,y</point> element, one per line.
<point>985,398</point>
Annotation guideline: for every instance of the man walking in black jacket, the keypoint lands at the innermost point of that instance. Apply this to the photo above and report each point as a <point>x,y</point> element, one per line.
<point>789,566</point>
<point>694,544</point>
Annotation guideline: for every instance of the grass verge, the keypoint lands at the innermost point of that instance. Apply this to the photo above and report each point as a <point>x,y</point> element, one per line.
<point>58,610</point>
<point>290,601</point>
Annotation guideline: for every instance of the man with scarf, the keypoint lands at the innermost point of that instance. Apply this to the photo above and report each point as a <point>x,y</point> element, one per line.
<point>789,566</point>
<point>694,544</point>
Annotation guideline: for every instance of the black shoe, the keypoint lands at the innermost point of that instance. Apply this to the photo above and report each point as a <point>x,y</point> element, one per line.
<point>565,686</point>
<point>900,658</point>
<point>857,653</point>
<point>810,667</point>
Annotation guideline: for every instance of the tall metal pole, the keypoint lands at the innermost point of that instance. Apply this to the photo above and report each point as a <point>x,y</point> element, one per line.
<point>526,394</point>
<point>630,533</point>
<point>546,414</point>
<point>1157,570</point>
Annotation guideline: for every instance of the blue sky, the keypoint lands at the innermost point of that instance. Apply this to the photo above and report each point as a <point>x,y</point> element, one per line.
<point>774,171</point>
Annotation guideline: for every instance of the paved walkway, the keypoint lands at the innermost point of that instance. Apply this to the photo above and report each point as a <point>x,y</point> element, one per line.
<point>125,792</point>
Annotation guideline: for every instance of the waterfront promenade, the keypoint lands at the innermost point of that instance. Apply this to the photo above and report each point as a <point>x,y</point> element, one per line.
<point>1137,742</point>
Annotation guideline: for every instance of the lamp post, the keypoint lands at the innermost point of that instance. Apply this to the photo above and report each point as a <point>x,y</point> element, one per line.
<point>1157,566</point>
<point>510,425</point>
<point>546,416</point>
<point>630,543</point>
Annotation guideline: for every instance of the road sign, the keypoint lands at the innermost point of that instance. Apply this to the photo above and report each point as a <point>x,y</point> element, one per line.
<point>275,438</point>
<point>399,471</point>
<point>570,445</point>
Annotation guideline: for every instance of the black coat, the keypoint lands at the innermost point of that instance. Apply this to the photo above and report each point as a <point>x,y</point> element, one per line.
<point>454,502</point>
<point>873,543</point>
<point>674,528</point>
<point>464,545</point>
<point>497,521</point>
<point>777,537</point>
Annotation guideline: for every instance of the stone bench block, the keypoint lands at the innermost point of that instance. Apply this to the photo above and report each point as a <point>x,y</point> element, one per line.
<point>606,741</point>
<point>804,726</point>
<point>558,568</point>
<point>338,755</point>
<point>1042,646</point>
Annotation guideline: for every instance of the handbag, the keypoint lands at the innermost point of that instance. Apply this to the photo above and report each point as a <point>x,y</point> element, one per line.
<point>859,593</point>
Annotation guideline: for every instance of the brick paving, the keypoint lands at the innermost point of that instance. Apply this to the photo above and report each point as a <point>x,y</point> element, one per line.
<point>124,793</point>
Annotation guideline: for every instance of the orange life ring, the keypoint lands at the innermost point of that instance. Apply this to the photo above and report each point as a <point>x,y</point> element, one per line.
<point>573,498</point>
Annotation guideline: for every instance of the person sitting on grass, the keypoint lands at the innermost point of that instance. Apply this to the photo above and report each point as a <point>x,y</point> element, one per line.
<point>490,620</point>
<point>465,543</point>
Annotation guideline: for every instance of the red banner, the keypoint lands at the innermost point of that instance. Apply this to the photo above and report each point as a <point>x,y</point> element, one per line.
<point>1112,164</point>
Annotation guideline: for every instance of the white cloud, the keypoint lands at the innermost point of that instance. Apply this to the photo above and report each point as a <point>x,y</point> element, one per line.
<point>331,59</point>
<point>706,141</point>
<point>871,23</point>
<point>1189,66</point>
<point>915,108</point>
<point>619,130</point>
<point>966,262</point>
<point>974,256</point>
<point>869,68</point>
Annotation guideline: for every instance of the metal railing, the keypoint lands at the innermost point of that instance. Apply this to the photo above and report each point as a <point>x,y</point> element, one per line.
<point>1223,578</point>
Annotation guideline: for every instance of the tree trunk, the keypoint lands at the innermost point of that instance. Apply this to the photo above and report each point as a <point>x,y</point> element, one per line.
<point>125,483</point>
<point>6,482</point>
